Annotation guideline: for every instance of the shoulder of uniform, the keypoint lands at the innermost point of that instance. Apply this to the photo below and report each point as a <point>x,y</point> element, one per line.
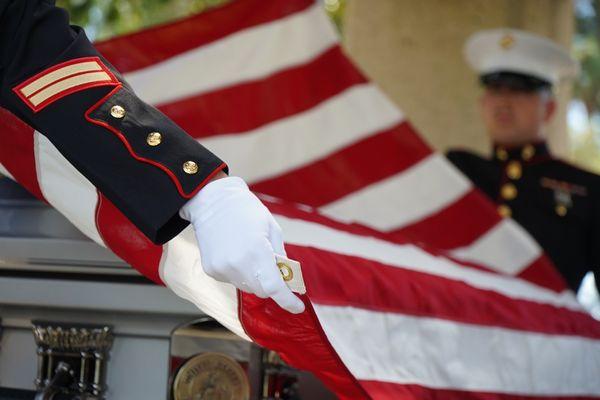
<point>579,170</point>
<point>464,157</point>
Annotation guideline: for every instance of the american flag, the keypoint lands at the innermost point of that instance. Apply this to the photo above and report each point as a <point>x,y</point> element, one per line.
<point>416,288</point>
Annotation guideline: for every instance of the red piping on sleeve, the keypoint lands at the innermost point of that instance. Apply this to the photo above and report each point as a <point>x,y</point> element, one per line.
<point>123,139</point>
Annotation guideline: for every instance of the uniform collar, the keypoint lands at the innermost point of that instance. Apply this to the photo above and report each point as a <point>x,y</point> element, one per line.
<point>524,153</point>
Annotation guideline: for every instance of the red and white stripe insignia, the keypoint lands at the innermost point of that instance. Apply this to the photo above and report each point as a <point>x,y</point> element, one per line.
<point>63,79</point>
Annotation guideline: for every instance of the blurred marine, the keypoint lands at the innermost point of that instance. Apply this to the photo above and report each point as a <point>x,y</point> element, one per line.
<point>558,203</point>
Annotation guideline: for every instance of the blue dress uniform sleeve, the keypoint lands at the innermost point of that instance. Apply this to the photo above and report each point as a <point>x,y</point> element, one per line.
<point>54,79</point>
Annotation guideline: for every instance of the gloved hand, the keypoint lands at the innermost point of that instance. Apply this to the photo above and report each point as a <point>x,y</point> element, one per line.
<point>238,238</point>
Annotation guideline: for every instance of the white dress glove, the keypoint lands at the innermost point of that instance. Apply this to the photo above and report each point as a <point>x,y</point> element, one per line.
<point>238,238</point>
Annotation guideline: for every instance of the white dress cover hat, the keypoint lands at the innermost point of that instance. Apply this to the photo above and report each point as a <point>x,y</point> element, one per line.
<point>511,50</point>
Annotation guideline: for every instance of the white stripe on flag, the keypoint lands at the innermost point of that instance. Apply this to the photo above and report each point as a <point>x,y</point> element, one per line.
<point>273,149</point>
<point>310,234</point>
<point>446,354</point>
<point>4,171</point>
<point>66,188</point>
<point>246,55</point>
<point>407,197</point>
<point>490,248</point>
<point>181,271</point>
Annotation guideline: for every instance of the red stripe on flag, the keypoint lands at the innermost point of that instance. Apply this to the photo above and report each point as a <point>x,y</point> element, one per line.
<point>396,391</point>
<point>126,240</point>
<point>542,269</point>
<point>543,272</point>
<point>243,107</point>
<point>401,290</point>
<point>372,159</point>
<point>17,152</point>
<point>457,225</point>
<point>300,341</point>
<point>150,46</point>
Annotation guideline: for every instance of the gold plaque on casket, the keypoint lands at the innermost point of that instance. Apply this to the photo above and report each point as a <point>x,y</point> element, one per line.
<point>211,376</point>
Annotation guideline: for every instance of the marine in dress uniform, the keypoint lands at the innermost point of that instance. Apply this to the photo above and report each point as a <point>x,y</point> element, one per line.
<point>558,203</point>
<point>52,78</point>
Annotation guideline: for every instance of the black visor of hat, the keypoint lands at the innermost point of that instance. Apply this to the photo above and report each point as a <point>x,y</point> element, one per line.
<point>514,81</point>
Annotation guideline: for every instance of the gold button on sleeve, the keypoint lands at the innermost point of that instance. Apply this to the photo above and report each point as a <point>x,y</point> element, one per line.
<point>117,111</point>
<point>154,138</point>
<point>508,191</point>
<point>190,167</point>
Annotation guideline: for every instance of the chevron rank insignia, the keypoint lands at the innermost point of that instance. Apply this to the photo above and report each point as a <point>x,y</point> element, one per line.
<point>63,79</point>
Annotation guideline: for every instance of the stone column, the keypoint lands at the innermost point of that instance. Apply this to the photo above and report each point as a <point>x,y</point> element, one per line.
<point>413,50</point>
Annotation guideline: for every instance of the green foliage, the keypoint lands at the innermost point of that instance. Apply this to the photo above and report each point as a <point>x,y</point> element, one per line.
<point>103,19</point>
<point>335,9</point>
<point>586,49</point>
<point>585,146</point>
<point>586,152</point>
<point>106,18</point>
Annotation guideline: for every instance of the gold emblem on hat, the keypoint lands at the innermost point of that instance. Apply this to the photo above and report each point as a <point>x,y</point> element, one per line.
<point>211,376</point>
<point>507,41</point>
